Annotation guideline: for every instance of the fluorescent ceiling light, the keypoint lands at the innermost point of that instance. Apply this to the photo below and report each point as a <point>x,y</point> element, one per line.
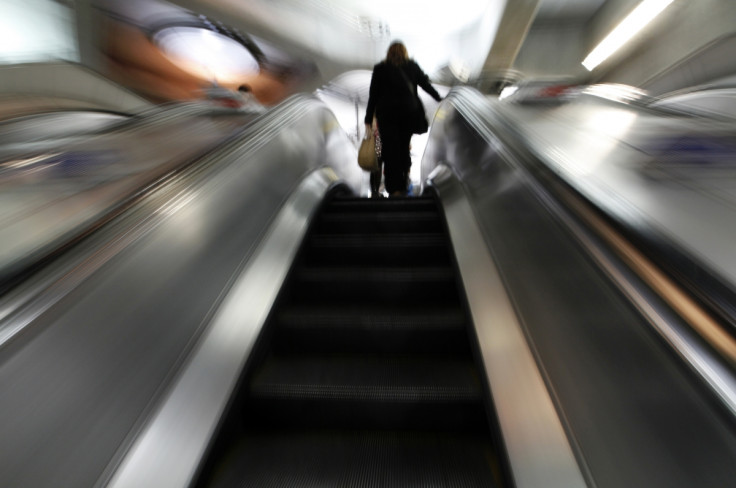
<point>507,91</point>
<point>628,28</point>
<point>207,54</point>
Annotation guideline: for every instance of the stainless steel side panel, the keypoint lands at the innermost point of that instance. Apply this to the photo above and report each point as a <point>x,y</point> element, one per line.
<point>173,442</point>
<point>535,441</point>
<point>80,380</point>
<point>670,178</point>
<point>633,412</point>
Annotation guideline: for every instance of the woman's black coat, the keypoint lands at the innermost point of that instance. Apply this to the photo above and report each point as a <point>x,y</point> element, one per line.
<point>392,93</point>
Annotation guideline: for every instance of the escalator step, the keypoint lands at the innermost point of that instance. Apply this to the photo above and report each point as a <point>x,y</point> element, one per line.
<point>419,320</point>
<point>370,378</point>
<point>367,391</point>
<point>328,459</point>
<point>371,240</point>
<point>362,205</point>
<point>363,285</point>
<point>378,222</point>
<point>334,329</point>
<point>385,249</point>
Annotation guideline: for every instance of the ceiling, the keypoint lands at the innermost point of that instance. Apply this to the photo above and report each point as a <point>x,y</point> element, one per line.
<point>454,41</point>
<point>563,10</point>
<point>340,35</point>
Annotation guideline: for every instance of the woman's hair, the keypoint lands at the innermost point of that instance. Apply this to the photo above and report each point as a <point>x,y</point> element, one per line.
<point>397,53</point>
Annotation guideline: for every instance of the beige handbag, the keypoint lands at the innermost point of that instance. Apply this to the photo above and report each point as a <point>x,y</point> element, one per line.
<point>367,158</point>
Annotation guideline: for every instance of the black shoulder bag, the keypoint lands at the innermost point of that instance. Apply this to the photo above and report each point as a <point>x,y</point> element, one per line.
<point>419,124</point>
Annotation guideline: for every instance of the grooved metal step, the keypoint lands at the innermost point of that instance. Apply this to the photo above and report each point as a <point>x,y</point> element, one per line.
<point>341,275</point>
<point>356,285</point>
<point>359,330</point>
<point>379,222</point>
<point>361,205</point>
<point>375,378</point>
<point>355,391</point>
<point>352,318</point>
<point>378,249</point>
<point>362,330</point>
<point>411,241</point>
<point>330,459</point>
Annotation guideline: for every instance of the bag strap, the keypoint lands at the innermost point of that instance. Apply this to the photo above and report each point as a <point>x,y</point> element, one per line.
<point>416,102</point>
<point>409,84</point>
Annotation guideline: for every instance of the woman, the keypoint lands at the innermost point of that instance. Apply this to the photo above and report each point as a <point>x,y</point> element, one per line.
<point>391,100</point>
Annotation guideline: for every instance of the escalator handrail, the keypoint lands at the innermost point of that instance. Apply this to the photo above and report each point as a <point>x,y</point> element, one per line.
<point>22,304</point>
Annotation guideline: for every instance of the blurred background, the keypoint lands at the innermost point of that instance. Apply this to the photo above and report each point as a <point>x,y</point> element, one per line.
<point>161,163</point>
<point>170,50</point>
<point>204,50</point>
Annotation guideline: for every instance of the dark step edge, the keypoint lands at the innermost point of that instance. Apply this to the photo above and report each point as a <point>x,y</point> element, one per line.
<point>397,274</point>
<point>434,239</point>
<point>361,320</point>
<point>381,394</point>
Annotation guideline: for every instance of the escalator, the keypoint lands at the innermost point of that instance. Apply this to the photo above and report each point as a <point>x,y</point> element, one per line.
<point>364,374</point>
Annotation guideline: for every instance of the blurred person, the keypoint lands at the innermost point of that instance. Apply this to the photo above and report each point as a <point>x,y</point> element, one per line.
<point>393,100</point>
<point>222,96</point>
<point>134,60</point>
<point>249,102</point>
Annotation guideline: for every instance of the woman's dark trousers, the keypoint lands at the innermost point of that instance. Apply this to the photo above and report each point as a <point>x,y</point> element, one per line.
<point>396,157</point>
<point>376,179</point>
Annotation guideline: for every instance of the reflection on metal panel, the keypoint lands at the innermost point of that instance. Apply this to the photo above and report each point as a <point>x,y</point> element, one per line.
<point>634,412</point>
<point>119,318</point>
<point>168,451</point>
<point>538,450</point>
